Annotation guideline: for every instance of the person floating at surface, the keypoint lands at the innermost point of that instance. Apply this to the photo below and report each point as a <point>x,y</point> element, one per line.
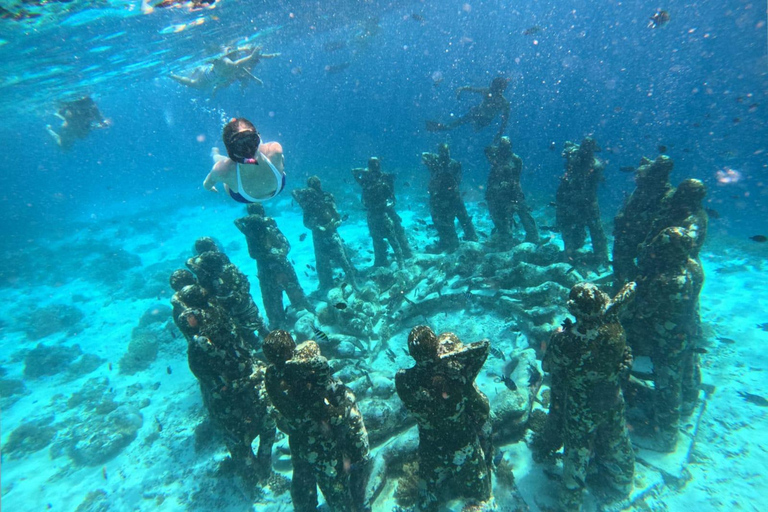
<point>79,118</point>
<point>588,360</point>
<point>451,413</point>
<point>326,433</point>
<point>222,72</point>
<point>481,116</point>
<point>254,171</point>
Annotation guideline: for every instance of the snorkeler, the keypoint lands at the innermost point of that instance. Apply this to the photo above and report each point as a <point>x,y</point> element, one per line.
<point>254,170</point>
<point>481,116</point>
<point>222,72</point>
<point>79,118</point>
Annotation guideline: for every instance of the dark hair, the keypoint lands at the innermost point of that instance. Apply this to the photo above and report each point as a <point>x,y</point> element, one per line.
<point>238,147</point>
<point>499,83</point>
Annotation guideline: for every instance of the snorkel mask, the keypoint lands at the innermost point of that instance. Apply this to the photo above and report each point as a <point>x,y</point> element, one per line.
<point>243,146</point>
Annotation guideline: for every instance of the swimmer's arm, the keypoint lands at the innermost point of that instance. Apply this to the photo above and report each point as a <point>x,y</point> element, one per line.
<point>467,88</point>
<point>221,168</point>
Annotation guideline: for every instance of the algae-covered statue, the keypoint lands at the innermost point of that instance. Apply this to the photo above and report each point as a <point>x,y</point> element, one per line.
<point>452,415</point>
<point>231,379</point>
<point>587,361</point>
<point>665,322</point>
<point>576,201</point>
<point>504,194</point>
<point>326,433</point>
<point>322,217</point>
<point>231,288</point>
<point>269,247</point>
<point>384,224</point>
<point>445,202</point>
<point>636,217</point>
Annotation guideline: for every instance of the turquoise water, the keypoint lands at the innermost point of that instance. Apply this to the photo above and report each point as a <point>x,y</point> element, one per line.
<point>91,235</point>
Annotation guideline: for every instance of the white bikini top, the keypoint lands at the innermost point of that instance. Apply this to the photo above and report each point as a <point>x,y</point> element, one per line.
<point>279,182</point>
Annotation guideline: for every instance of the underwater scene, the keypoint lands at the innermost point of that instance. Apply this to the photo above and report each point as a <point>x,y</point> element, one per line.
<point>381,255</point>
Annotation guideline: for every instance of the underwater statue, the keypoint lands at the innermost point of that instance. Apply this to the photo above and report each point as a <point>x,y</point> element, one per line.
<point>633,223</point>
<point>229,286</point>
<point>664,323</point>
<point>587,361</point>
<point>504,195</point>
<point>269,247</point>
<point>455,449</point>
<point>384,224</point>
<point>231,379</point>
<point>445,202</point>
<point>322,217</point>
<point>326,433</point>
<point>576,202</point>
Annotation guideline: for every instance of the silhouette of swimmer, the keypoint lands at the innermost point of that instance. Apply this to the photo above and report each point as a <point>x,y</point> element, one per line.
<point>79,118</point>
<point>481,116</point>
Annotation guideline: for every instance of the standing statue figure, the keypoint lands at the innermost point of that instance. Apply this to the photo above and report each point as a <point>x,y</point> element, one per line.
<point>231,379</point>
<point>231,288</point>
<point>452,415</point>
<point>504,194</point>
<point>269,247</point>
<point>322,217</point>
<point>576,201</point>
<point>326,433</point>
<point>445,202</point>
<point>636,217</point>
<point>383,221</point>
<point>684,207</point>
<point>665,325</point>
<point>587,361</point>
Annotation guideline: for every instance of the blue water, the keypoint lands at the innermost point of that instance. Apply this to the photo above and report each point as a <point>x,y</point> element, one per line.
<point>698,86</point>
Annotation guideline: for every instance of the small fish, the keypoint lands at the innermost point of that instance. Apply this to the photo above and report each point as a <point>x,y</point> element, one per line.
<point>662,149</point>
<point>168,370</point>
<point>713,214</point>
<point>736,120</point>
<point>332,69</point>
<point>627,169</point>
<point>553,146</point>
<point>508,382</point>
<point>763,326</point>
<point>368,378</point>
<point>334,46</point>
<point>482,234</point>
<point>417,17</point>
<point>699,350</point>
<point>391,355</point>
<point>340,305</point>
<point>753,399</point>
<point>344,217</point>
<point>421,221</point>
<point>320,334</point>
<point>659,19</point>
<point>534,378</point>
<point>728,341</point>
<point>302,237</point>
<point>109,366</point>
<point>759,238</point>
<point>310,267</point>
<point>532,30</point>
<point>159,425</point>
<point>104,472</point>
<point>498,457</point>
<point>407,184</point>
<point>497,353</point>
<point>570,270</point>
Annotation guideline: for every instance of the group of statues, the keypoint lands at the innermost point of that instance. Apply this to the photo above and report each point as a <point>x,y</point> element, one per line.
<point>657,278</point>
<point>297,393</point>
